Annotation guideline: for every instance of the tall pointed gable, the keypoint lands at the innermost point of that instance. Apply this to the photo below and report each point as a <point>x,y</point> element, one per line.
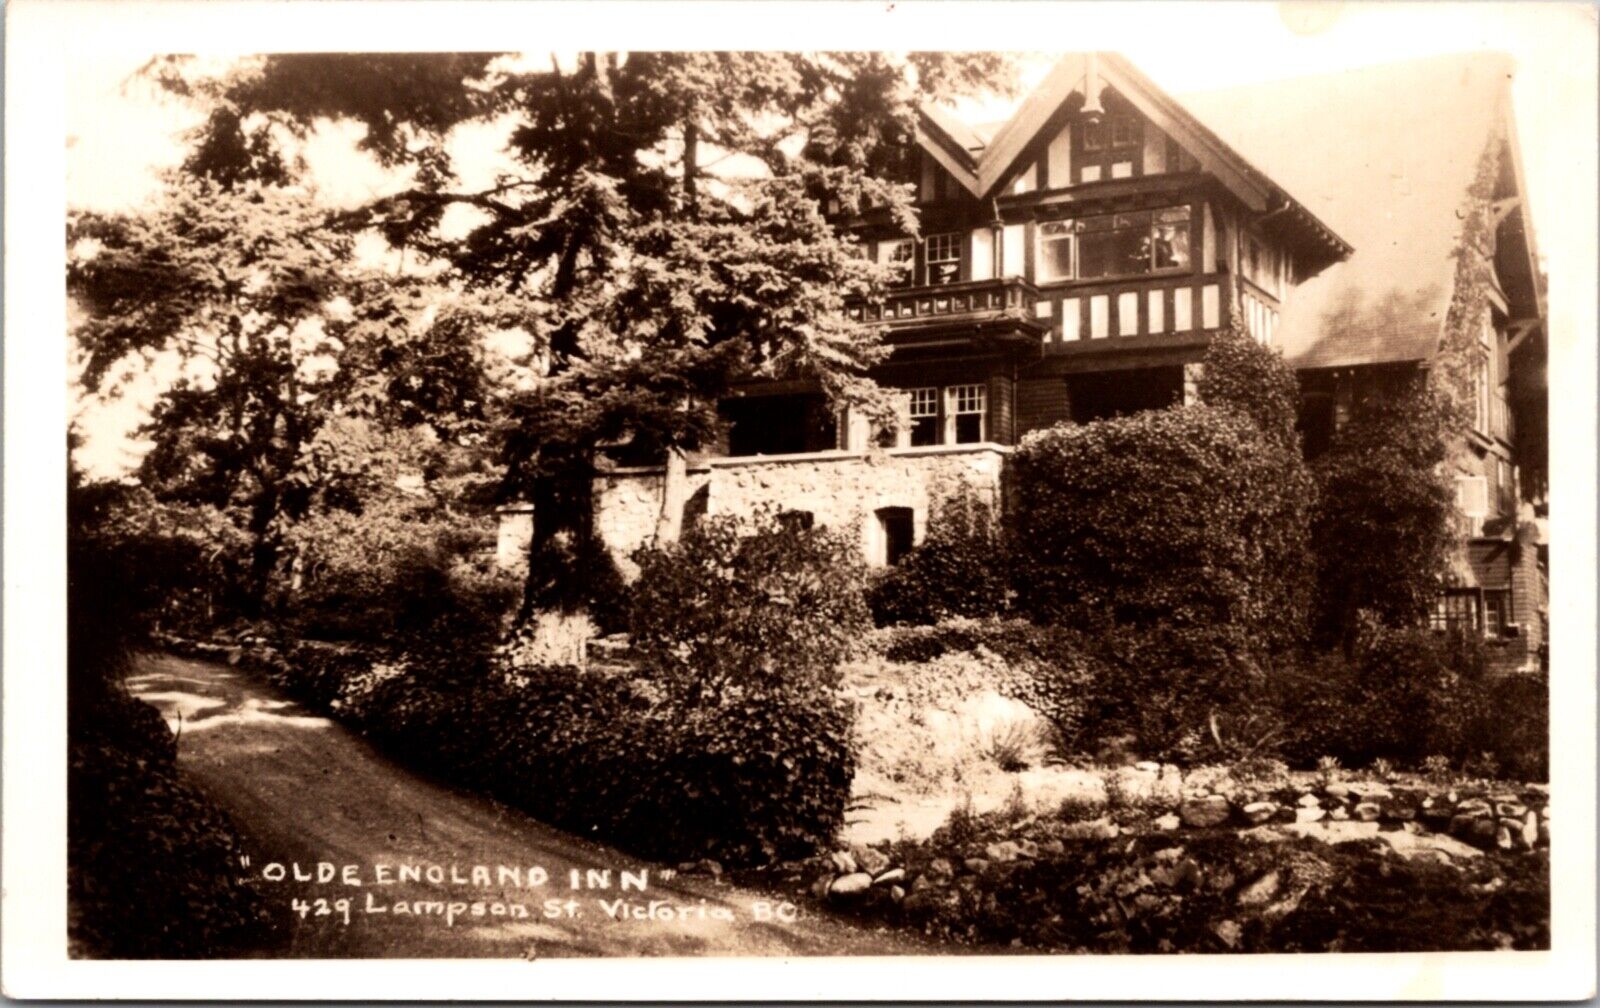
<point>985,168</point>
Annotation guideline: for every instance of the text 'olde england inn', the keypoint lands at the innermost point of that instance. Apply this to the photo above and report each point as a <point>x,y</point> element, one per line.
<point>1076,258</point>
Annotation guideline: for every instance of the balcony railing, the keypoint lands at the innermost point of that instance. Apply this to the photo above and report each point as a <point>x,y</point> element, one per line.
<point>1175,305</point>
<point>970,300</point>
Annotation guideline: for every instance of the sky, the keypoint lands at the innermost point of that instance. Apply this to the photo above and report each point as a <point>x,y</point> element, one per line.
<point>120,131</point>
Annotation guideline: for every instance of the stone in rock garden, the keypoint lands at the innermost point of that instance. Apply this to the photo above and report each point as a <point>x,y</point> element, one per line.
<point>869,859</point>
<point>1304,815</point>
<point>1003,852</point>
<point>850,885</point>
<point>1510,809</point>
<point>820,887</point>
<point>1367,811</point>
<point>1053,848</point>
<point>1480,831</point>
<point>1474,807</point>
<point>1228,932</point>
<point>920,883</point>
<point>1309,801</point>
<point>1261,890</point>
<point>892,875</point>
<point>843,862</point>
<point>897,894</point>
<point>1094,829</point>
<point>1400,808</point>
<point>1338,813</point>
<point>1200,813</point>
<point>1028,848</point>
<point>1370,789</point>
<point>1502,836</point>
<point>1337,790</point>
<point>976,865</point>
<point>1259,811</point>
<point>1147,766</point>
<point>1528,837</point>
<point>1167,823</point>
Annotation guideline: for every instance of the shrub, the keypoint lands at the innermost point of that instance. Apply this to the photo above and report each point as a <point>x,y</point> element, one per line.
<point>407,575</point>
<point>153,866</point>
<point>1254,380</point>
<point>746,779</point>
<point>1385,527</point>
<point>770,607</point>
<point>1188,517</point>
<point>961,568</point>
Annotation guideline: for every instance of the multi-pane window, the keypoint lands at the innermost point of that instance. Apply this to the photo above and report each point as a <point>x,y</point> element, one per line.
<point>1496,612</point>
<point>1112,131</point>
<point>1456,609</point>
<point>1110,245</point>
<point>924,417</point>
<point>943,255</point>
<point>1054,261</point>
<point>966,413</point>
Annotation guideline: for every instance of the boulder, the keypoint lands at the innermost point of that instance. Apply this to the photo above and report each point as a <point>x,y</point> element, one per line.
<point>1052,848</point>
<point>896,893</point>
<point>1309,801</point>
<point>1228,932</point>
<point>920,883</point>
<point>976,865</point>
<point>1308,815</point>
<point>1510,809</point>
<point>850,885</point>
<point>1336,790</point>
<point>892,875</point>
<point>1480,831</point>
<point>1369,790</point>
<point>1400,808</point>
<point>1147,766</point>
<point>1095,829</point>
<point>843,862</point>
<point>1338,813</point>
<point>940,869</point>
<point>1260,891</point>
<point>1429,846</point>
<point>1167,823</point>
<point>1367,811</point>
<point>869,859</point>
<point>1002,852</point>
<point>1528,836</point>
<point>1259,812</point>
<point>1199,813</point>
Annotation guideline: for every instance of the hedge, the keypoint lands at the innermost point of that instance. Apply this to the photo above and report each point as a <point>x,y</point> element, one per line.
<point>1190,517</point>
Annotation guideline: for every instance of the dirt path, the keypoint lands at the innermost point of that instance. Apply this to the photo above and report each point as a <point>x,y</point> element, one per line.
<point>305,789</point>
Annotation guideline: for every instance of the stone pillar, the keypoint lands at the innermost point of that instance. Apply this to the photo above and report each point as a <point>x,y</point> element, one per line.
<point>674,494</point>
<point>1191,382</point>
<point>514,536</point>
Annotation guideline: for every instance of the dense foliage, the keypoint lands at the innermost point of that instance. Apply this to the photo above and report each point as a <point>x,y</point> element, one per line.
<point>1190,517</point>
<point>1386,523</point>
<point>742,779</point>
<point>1240,374</point>
<point>739,606</point>
<point>153,866</point>
<point>961,568</point>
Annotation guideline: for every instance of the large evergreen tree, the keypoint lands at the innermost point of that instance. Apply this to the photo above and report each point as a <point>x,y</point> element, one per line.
<point>667,219</point>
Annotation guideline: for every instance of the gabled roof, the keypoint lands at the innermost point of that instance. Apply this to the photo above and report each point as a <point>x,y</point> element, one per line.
<point>1385,154</point>
<point>983,164</point>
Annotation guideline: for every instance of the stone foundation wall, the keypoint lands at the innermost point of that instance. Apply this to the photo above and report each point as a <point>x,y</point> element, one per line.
<point>841,489</point>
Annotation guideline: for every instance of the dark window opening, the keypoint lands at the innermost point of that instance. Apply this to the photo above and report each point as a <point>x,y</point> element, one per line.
<point>1105,394</point>
<point>796,521</point>
<point>969,428</point>
<point>779,425</point>
<point>1316,424</point>
<point>898,528</point>
<point>1457,610</point>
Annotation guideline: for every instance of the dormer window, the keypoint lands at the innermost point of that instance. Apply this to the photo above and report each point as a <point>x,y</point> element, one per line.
<point>943,254</point>
<point>1109,132</point>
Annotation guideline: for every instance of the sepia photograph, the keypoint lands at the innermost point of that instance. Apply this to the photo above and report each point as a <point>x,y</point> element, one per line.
<point>1092,500</point>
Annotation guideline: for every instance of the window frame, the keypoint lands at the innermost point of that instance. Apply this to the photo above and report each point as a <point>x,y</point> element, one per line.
<point>1074,236</point>
<point>956,256</point>
<point>977,399</point>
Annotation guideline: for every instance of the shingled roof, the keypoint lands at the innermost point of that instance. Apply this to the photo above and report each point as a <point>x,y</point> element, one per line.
<point>1385,155</point>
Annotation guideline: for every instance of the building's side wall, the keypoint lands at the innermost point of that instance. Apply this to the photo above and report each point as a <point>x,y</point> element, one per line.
<point>842,490</point>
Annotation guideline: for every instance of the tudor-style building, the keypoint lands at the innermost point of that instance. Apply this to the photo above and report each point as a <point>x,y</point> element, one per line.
<point>1075,260</point>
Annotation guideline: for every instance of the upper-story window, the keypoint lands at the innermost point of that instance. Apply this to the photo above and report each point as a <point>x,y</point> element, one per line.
<point>899,252</point>
<point>1111,131</point>
<point>943,257</point>
<point>1112,245</point>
